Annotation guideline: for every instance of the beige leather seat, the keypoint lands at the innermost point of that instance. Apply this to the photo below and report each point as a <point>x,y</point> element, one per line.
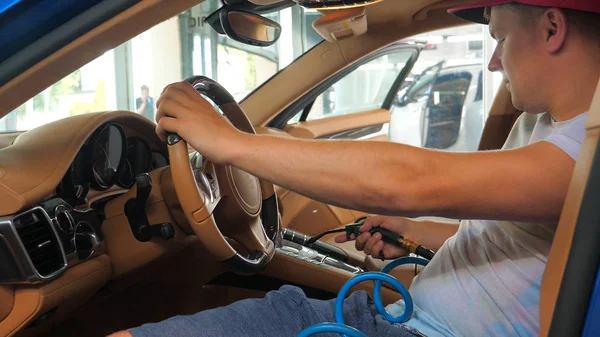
<point>571,270</point>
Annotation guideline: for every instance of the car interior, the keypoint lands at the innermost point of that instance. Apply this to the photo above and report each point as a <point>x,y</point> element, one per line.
<point>104,227</point>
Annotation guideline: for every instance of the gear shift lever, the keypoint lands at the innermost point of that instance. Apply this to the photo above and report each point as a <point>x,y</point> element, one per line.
<point>135,210</point>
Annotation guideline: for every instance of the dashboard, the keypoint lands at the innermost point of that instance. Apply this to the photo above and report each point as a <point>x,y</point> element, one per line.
<point>60,227</point>
<point>109,158</point>
<point>71,217</point>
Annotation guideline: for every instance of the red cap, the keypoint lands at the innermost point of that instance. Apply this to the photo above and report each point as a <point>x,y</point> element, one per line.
<point>474,11</point>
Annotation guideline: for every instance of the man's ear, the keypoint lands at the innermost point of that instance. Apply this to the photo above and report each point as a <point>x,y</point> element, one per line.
<point>554,22</point>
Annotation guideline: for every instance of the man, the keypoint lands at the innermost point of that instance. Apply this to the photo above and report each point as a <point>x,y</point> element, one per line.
<point>485,279</point>
<point>145,104</point>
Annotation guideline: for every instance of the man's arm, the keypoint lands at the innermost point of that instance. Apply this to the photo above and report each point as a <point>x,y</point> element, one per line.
<point>526,184</point>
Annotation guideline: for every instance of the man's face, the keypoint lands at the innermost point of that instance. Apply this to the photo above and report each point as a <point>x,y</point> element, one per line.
<point>145,93</point>
<point>519,56</point>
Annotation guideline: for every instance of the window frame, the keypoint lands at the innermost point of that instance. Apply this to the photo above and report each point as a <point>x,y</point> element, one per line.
<point>280,121</point>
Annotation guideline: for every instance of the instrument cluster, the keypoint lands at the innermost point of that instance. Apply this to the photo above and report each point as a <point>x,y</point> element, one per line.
<point>108,158</point>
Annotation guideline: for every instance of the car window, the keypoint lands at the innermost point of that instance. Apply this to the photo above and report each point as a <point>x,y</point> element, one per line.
<point>443,113</point>
<point>441,105</point>
<point>421,86</point>
<point>132,76</point>
<point>363,89</point>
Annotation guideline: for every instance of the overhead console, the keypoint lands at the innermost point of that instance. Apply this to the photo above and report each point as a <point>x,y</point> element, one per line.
<point>341,24</point>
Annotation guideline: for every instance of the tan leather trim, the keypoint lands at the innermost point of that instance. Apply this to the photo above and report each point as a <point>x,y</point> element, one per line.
<point>593,120</point>
<point>237,117</point>
<point>39,158</point>
<point>557,259</point>
<point>7,298</point>
<point>91,45</point>
<point>501,118</point>
<point>67,292</point>
<point>196,206</point>
<point>239,195</point>
<point>172,201</point>
<point>27,303</point>
<point>439,4</point>
<point>495,132</point>
<point>263,130</point>
<point>561,246</point>
<point>381,138</point>
<point>326,126</point>
<point>126,252</point>
<point>245,188</point>
<point>329,279</point>
<point>312,217</point>
<point>6,138</point>
<point>191,198</point>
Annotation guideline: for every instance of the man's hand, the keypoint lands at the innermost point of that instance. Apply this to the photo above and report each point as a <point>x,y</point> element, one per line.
<point>373,244</point>
<point>181,109</point>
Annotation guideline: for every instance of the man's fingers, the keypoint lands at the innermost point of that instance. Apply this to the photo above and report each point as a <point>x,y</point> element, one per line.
<point>168,108</point>
<point>188,89</point>
<point>164,91</point>
<point>174,102</point>
<point>361,240</point>
<point>371,243</point>
<point>340,238</point>
<point>166,124</point>
<point>371,222</point>
<point>377,250</point>
<point>365,227</point>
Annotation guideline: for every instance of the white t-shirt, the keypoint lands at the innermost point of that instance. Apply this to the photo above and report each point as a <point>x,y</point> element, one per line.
<point>485,280</point>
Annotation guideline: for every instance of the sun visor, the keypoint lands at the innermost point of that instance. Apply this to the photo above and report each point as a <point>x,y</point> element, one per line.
<point>341,24</point>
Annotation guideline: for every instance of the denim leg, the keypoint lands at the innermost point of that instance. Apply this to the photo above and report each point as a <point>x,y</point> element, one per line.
<point>282,313</point>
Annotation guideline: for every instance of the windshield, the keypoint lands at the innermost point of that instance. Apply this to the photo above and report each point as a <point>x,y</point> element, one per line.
<point>132,75</point>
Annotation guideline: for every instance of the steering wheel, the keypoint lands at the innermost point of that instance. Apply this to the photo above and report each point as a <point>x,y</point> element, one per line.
<point>203,187</point>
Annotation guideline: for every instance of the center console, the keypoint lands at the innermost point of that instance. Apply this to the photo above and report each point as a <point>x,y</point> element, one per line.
<point>318,253</point>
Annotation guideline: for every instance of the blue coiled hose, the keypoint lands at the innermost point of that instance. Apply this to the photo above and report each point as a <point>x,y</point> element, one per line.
<point>378,277</point>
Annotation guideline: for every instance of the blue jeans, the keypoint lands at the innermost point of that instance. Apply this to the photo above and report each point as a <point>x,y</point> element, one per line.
<point>282,313</point>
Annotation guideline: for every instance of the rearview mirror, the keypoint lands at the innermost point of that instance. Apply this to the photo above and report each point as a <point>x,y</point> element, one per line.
<point>249,28</point>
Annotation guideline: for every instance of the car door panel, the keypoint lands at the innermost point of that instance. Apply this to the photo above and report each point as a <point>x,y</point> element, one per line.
<point>353,105</point>
<point>362,125</point>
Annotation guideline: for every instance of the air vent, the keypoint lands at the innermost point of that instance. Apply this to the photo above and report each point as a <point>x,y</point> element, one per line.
<point>40,242</point>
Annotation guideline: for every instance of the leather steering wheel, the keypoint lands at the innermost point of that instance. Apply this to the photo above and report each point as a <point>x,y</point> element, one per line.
<point>203,187</point>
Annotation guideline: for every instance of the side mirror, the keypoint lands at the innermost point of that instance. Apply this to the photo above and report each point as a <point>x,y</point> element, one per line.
<point>249,28</point>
